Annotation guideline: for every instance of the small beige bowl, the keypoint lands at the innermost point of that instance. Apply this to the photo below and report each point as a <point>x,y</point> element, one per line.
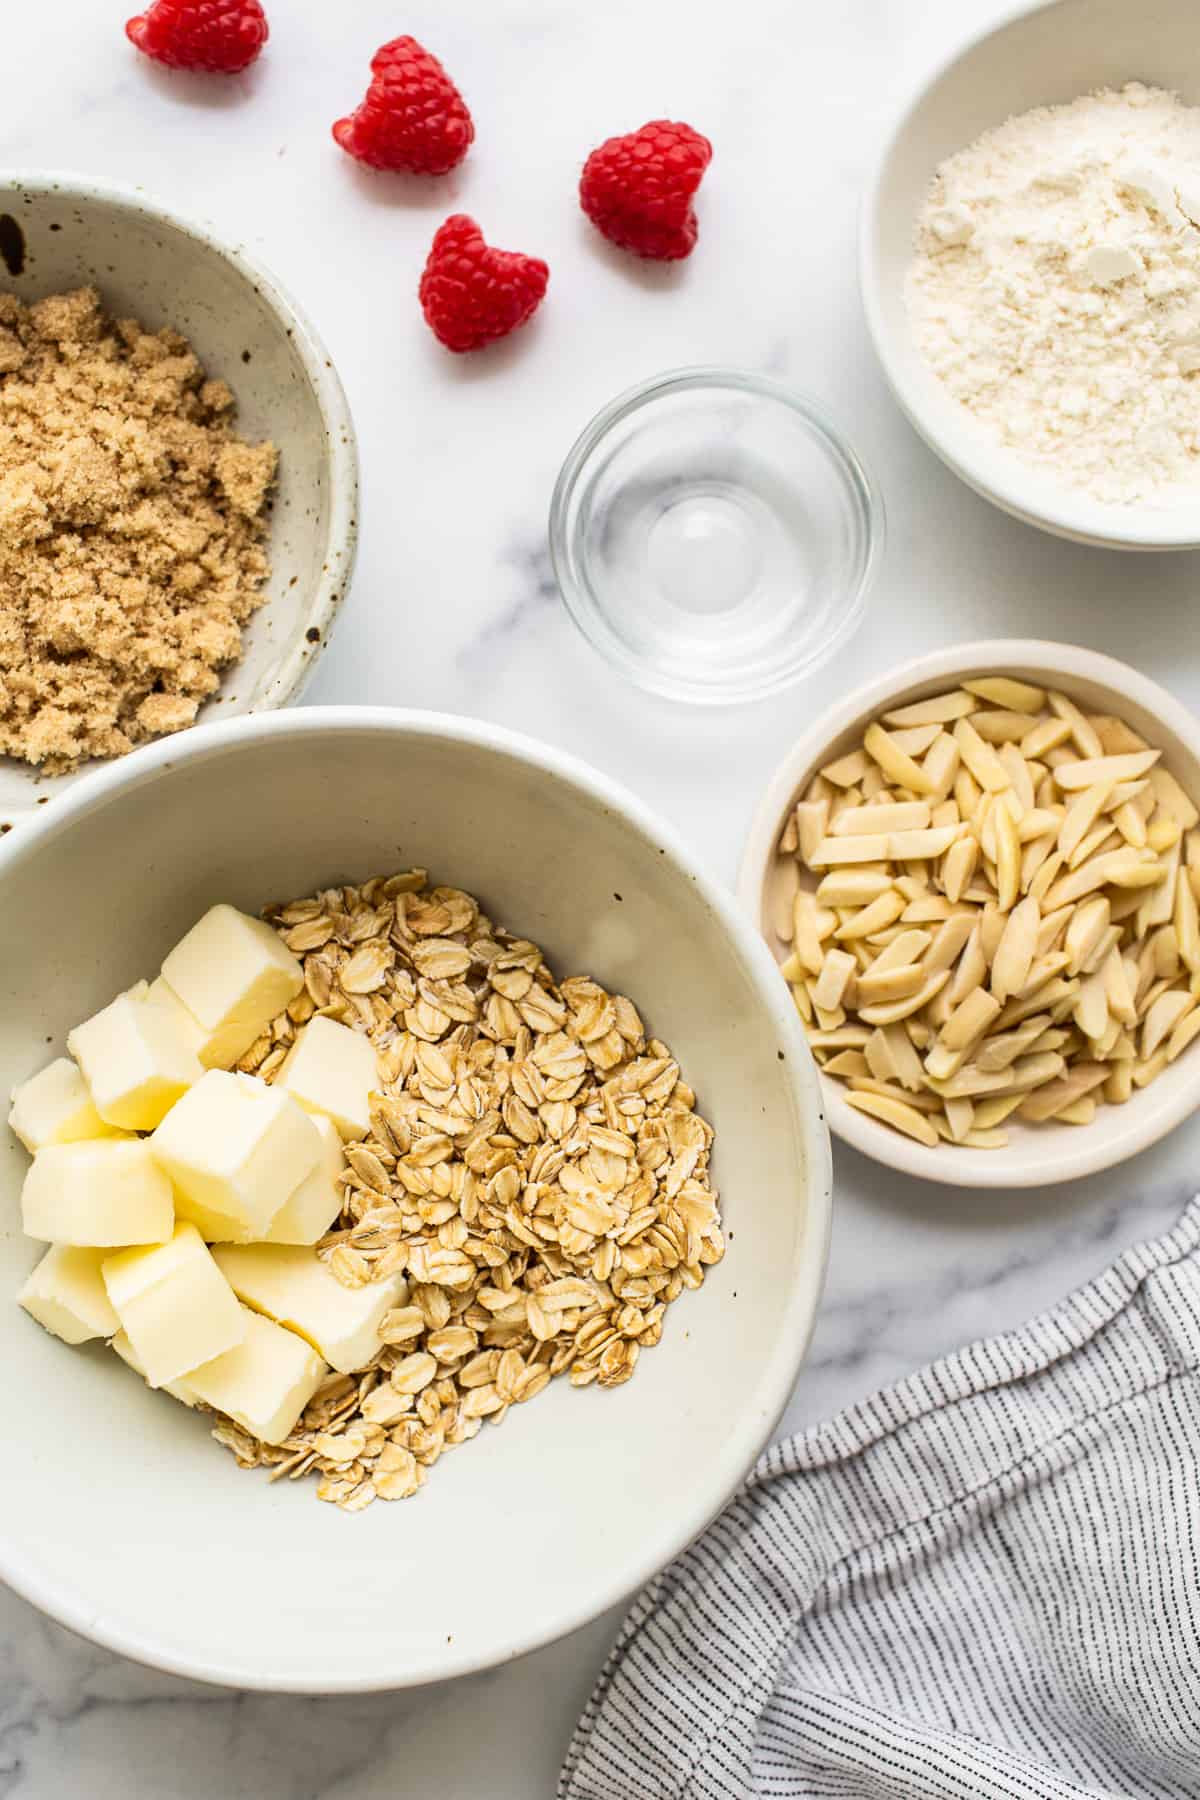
<point>1036,1155</point>
<point>64,231</point>
<point>1042,55</point>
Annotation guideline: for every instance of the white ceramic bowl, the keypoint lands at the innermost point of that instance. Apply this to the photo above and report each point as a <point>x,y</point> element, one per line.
<point>118,1515</point>
<point>153,265</point>
<point>1043,55</point>
<point>1035,1155</point>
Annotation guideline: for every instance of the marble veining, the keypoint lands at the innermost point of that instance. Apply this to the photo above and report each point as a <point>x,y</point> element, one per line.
<point>454,608</point>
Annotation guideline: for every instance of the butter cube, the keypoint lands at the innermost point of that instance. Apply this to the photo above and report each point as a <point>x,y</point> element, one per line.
<point>292,1286</point>
<point>178,1390</point>
<point>107,1192</point>
<point>236,1150</point>
<point>218,1049</point>
<point>265,1382</point>
<point>66,1294</point>
<point>331,1069</point>
<point>54,1107</point>
<point>316,1203</point>
<point>174,1305</point>
<point>233,973</point>
<point>134,1060</point>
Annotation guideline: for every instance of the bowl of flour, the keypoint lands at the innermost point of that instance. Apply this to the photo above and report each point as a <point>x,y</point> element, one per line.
<point>1030,268</point>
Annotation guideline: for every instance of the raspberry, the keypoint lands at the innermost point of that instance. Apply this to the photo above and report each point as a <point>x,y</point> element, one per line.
<point>219,36</point>
<point>638,189</point>
<point>413,116</point>
<point>471,294</point>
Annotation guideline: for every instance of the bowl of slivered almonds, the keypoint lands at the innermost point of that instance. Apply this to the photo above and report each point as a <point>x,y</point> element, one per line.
<point>584,1205</point>
<point>980,877</point>
<point>178,482</point>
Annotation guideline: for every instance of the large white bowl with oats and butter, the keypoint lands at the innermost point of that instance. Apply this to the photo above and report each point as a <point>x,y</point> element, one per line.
<point>118,1514</point>
<point>1035,1155</point>
<point>1042,54</point>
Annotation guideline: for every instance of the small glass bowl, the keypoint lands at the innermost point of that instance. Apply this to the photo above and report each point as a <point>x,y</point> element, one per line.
<point>714,535</point>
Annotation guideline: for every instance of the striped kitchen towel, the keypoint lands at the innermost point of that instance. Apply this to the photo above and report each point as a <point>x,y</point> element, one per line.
<point>982,1582</point>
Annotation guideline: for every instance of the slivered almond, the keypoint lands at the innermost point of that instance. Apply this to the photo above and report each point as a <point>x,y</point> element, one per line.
<point>1020,775</point>
<point>908,946</point>
<point>941,766</point>
<point>1007,691</point>
<point>833,852</point>
<point>1183,1033</point>
<point>887,1090</point>
<point>994,1109</point>
<point>914,740</point>
<point>847,769</point>
<point>848,1064</point>
<point>969,1020</point>
<point>1015,951</point>
<point>812,821</point>
<point>1081,815</point>
<point>877,915</point>
<point>971,969</point>
<point>919,846</point>
<point>852,887</point>
<point>1086,741</point>
<point>1116,738</point>
<point>1052,927</point>
<point>1096,843</point>
<point>1162,833</point>
<point>885,816</point>
<point>897,1114</point>
<point>1001,726</point>
<point>1172,799</point>
<point>1049,735</point>
<point>985,1140</point>
<point>960,1116</point>
<point>1008,859</point>
<point>1187,921</point>
<point>980,758</point>
<point>948,942</point>
<point>1063,1091</point>
<point>1089,922</point>
<point>1093,769</point>
<point>1002,1050</point>
<point>846,1037</point>
<point>959,866</point>
<point>898,767</point>
<point>789,843</point>
<point>876,987</point>
<point>1080,1112</point>
<point>1119,1084</point>
<point>941,709</point>
<point>905,1060</point>
<point>836,971</point>
<point>783,901</point>
<point>900,1009</point>
<point>1091,1006</point>
<point>812,923</point>
<point>1162,1017</point>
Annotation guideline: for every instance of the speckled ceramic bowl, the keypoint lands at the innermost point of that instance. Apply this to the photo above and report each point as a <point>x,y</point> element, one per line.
<point>63,231</point>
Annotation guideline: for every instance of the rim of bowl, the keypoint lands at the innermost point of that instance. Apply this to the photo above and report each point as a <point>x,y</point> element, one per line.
<point>296,669</point>
<point>989,469</point>
<point>1067,663</point>
<point>666,1539</point>
<point>863,495</point>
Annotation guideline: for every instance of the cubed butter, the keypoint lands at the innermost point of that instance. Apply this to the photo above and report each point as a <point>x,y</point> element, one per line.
<point>292,1286</point>
<point>308,1213</point>
<point>55,1107</point>
<point>135,1061</point>
<point>107,1192</point>
<point>265,1382</point>
<point>217,1049</point>
<point>66,1294</point>
<point>236,1150</point>
<point>174,1304</point>
<point>233,973</point>
<point>331,1069</point>
<point>179,1390</point>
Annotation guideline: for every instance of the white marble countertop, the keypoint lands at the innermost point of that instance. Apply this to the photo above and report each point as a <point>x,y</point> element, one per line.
<point>454,607</point>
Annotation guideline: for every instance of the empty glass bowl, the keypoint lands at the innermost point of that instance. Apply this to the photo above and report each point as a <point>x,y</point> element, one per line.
<point>714,535</point>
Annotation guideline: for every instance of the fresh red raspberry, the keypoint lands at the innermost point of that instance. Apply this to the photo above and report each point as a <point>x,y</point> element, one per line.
<point>219,36</point>
<point>471,294</point>
<point>638,189</point>
<point>413,116</point>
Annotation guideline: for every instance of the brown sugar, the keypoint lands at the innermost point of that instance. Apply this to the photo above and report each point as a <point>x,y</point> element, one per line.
<point>131,527</point>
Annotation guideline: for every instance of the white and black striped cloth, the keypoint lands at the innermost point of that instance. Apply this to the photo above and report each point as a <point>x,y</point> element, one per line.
<point>982,1582</point>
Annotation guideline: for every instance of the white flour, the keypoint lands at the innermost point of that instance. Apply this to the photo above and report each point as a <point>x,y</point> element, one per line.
<point>1056,290</point>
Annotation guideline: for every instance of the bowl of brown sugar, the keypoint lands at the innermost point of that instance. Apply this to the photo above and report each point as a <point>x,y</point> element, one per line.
<point>178,483</point>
